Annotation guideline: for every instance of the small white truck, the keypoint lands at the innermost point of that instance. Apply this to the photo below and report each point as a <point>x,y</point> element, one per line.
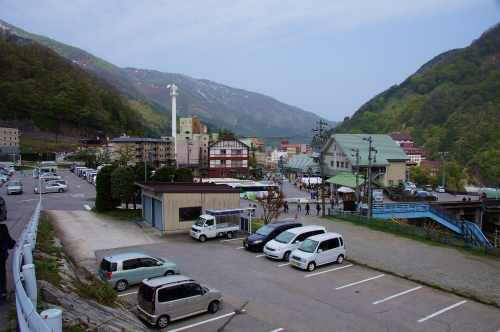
<point>206,226</point>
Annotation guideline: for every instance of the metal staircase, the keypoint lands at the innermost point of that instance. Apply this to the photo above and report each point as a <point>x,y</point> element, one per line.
<point>467,229</point>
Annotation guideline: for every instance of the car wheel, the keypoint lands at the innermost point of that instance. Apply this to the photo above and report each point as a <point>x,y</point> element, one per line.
<point>162,322</point>
<point>311,266</point>
<point>61,190</point>
<point>229,235</point>
<point>340,259</point>
<point>286,256</point>
<point>213,307</point>
<point>203,238</point>
<point>169,273</point>
<point>121,285</point>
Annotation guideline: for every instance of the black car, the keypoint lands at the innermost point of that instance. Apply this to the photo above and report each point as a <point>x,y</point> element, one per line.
<point>258,240</point>
<point>3,209</point>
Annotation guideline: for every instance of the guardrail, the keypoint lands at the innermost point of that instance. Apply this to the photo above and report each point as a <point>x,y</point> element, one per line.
<point>25,284</point>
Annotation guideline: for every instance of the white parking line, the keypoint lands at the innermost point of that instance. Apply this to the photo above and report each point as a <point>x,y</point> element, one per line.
<point>284,264</point>
<point>396,295</point>
<point>441,311</point>
<point>201,323</point>
<point>359,282</point>
<point>240,248</point>
<point>260,255</point>
<point>127,294</point>
<point>337,268</point>
<point>277,330</point>
<point>235,239</point>
<point>87,207</point>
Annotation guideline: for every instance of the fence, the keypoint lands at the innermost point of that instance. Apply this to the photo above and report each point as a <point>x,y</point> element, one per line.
<point>25,284</point>
<point>439,237</point>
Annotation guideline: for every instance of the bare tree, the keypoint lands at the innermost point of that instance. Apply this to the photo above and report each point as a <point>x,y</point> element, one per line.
<point>272,204</point>
<point>126,153</point>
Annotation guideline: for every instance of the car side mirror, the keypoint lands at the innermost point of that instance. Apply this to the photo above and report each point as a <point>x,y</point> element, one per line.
<point>320,250</point>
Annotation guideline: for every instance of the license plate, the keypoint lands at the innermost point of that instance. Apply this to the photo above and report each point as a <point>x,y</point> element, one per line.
<point>192,233</point>
<point>293,262</point>
<point>144,315</point>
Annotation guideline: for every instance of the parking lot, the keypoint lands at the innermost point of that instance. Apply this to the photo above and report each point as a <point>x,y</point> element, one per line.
<point>261,294</point>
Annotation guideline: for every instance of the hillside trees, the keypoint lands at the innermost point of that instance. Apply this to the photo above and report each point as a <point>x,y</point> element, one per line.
<point>164,174</point>
<point>38,84</point>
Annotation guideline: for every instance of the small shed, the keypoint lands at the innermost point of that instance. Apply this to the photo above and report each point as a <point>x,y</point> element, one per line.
<point>175,206</point>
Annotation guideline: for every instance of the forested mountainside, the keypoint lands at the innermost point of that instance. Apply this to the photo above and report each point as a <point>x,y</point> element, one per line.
<point>452,103</point>
<point>38,84</point>
<point>240,111</point>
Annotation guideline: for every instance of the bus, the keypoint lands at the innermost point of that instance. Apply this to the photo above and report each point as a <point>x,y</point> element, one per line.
<point>255,189</point>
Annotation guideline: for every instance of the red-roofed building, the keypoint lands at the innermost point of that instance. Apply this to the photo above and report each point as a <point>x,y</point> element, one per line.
<point>228,157</point>
<point>405,141</point>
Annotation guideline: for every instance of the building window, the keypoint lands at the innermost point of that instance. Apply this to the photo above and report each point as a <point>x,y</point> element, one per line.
<point>391,183</point>
<point>236,152</point>
<point>223,174</point>
<point>189,213</point>
<point>338,164</point>
<point>222,151</point>
<point>223,162</point>
<point>331,163</point>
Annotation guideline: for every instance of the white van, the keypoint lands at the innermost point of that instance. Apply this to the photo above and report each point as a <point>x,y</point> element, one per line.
<point>319,250</point>
<point>288,241</point>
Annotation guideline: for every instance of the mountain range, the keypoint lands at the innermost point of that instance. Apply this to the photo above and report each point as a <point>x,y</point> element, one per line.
<point>241,112</point>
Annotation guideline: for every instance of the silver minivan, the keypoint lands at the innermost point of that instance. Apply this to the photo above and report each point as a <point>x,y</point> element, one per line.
<point>288,241</point>
<point>121,270</point>
<point>319,250</point>
<point>165,299</point>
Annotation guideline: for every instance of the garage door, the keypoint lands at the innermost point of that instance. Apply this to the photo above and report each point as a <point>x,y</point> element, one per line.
<point>147,209</point>
<point>157,214</point>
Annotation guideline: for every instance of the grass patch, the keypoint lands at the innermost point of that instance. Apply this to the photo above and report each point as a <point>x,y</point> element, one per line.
<point>94,289</point>
<point>256,224</point>
<point>47,269</point>
<point>122,214</point>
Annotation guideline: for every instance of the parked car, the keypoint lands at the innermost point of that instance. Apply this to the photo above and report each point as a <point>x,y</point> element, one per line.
<point>3,209</point>
<point>440,189</point>
<point>49,176</point>
<point>165,299</point>
<point>122,270</point>
<point>427,194</point>
<point>63,182</point>
<point>288,241</point>
<point>427,187</point>
<point>52,187</point>
<point>258,240</point>
<point>14,187</point>
<point>319,250</point>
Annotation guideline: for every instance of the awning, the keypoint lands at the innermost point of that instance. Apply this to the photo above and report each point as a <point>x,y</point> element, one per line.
<point>345,190</point>
<point>346,179</point>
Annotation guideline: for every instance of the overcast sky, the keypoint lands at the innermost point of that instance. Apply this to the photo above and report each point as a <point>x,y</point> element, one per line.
<point>328,57</point>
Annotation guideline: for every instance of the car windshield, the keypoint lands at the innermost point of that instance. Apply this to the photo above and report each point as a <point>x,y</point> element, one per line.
<point>264,231</point>
<point>285,237</point>
<point>14,183</point>
<point>308,245</point>
<point>200,222</point>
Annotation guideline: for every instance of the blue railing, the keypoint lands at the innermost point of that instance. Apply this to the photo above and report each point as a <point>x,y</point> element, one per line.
<point>24,279</point>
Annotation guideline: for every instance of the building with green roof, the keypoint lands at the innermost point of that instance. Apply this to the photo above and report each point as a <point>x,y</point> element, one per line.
<point>388,159</point>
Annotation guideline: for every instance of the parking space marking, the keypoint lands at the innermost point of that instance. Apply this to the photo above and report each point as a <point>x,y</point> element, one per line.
<point>396,295</point>
<point>337,268</point>
<point>87,207</point>
<point>361,281</point>
<point>277,330</point>
<point>284,264</point>
<point>235,239</point>
<point>441,311</point>
<point>134,293</point>
<point>260,255</point>
<point>240,248</point>
<point>204,322</point>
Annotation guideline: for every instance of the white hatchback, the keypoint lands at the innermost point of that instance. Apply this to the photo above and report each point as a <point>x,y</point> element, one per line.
<point>288,241</point>
<point>319,250</point>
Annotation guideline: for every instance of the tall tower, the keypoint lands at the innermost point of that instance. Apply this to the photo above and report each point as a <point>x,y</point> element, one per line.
<point>173,93</point>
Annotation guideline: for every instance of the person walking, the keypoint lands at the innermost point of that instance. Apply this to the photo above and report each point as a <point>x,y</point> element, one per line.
<point>299,207</point>
<point>6,242</point>
<point>285,207</point>
<point>307,209</point>
<point>318,208</point>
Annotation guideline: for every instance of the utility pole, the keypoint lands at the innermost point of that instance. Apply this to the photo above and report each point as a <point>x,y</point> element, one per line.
<point>443,155</point>
<point>321,151</point>
<point>357,180</point>
<point>370,149</point>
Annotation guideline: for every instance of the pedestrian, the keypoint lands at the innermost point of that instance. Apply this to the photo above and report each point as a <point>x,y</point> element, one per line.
<point>307,209</point>
<point>6,242</point>
<point>285,207</point>
<point>318,208</point>
<point>337,200</point>
<point>299,207</point>
<point>253,210</point>
<point>332,202</point>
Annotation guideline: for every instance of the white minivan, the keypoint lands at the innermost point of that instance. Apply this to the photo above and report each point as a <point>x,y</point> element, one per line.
<point>288,241</point>
<point>319,250</point>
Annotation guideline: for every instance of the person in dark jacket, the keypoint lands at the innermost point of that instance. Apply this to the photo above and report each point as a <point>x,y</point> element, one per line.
<point>307,208</point>
<point>318,208</point>
<point>6,242</point>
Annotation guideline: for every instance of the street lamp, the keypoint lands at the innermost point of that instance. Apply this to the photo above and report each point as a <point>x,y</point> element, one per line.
<point>443,155</point>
